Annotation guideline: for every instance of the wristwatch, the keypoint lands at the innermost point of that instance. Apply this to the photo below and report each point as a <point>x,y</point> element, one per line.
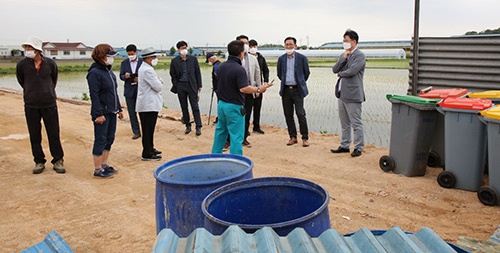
<point>258,89</point>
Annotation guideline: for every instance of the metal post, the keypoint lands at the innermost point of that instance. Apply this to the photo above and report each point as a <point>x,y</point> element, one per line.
<point>415,48</point>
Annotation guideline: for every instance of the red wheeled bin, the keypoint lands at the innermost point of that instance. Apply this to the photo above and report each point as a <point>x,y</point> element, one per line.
<point>437,153</point>
<point>465,142</point>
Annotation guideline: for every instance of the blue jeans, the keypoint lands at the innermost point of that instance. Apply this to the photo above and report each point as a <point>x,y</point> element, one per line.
<point>104,134</point>
<point>231,123</point>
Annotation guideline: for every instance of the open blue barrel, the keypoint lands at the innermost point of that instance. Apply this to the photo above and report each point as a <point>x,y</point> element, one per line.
<point>281,203</point>
<point>183,183</point>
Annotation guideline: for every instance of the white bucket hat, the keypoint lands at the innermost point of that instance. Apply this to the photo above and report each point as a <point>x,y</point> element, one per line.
<point>148,52</point>
<point>35,42</point>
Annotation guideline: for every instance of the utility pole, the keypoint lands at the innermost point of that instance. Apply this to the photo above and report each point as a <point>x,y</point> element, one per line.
<point>414,84</point>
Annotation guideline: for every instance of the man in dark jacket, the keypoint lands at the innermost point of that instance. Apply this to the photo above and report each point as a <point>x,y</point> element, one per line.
<point>38,77</point>
<point>186,82</point>
<point>293,71</point>
<point>264,73</point>
<point>128,73</point>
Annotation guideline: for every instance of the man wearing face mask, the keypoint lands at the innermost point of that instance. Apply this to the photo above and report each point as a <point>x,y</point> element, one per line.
<point>186,82</point>
<point>350,69</point>
<point>293,71</point>
<point>232,86</point>
<point>251,65</point>
<point>37,75</point>
<point>264,70</point>
<point>128,73</point>
<point>149,103</point>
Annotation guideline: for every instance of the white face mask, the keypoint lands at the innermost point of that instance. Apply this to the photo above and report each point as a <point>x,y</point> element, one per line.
<point>346,45</point>
<point>30,53</point>
<point>110,60</point>
<point>154,62</point>
<point>252,50</point>
<point>184,52</point>
<point>290,51</point>
<point>246,48</point>
<point>132,57</point>
<point>210,63</point>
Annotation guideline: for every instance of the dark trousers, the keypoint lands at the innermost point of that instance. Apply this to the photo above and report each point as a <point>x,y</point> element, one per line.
<point>148,124</point>
<point>249,104</point>
<point>134,121</point>
<point>50,118</point>
<point>184,92</point>
<point>291,98</point>
<point>104,134</point>
<point>257,105</point>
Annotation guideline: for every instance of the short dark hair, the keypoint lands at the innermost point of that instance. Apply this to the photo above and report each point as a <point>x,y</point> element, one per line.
<point>132,48</point>
<point>352,35</point>
<point>242,37</point>
<point>252,42</point>
<point>181,44</point>
<point>291,38</point>
<point>235,47</point>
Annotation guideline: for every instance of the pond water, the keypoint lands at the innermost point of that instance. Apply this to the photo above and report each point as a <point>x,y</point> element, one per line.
<point>320,104</point>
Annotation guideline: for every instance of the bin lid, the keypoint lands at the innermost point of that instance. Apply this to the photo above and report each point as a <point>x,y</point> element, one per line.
<point>493,113</point>
<point>413,99</point>
<point>477,104</point>
<point>443,93</point>
<point>485,94</point>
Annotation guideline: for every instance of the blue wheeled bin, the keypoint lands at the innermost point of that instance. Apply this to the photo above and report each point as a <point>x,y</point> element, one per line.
<point>437,154</point>
<point>465,143</point>
<point>489,195</point>
<point>412,126</point>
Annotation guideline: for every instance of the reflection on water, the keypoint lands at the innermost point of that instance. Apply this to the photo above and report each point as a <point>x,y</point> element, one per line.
<point>320,104</point>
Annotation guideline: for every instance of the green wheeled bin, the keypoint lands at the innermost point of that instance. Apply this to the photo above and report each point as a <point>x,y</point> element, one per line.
<point>437,154</point>
<point>412,126</point>
<point>465,142</point>
<point>489,195</point>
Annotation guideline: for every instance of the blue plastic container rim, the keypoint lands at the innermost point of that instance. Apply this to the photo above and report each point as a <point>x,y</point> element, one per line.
<point>265,181</point>
<point>203,157</point>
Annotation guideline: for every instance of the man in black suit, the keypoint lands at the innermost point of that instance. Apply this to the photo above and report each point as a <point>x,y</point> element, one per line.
<point>186,82</point>
<point>128,73</point>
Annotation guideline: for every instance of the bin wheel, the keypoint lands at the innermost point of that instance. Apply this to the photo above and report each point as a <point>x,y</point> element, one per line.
<point>434,159</point>
<point>446,179</point>
<point>487,195</point>
<point>386,163</point>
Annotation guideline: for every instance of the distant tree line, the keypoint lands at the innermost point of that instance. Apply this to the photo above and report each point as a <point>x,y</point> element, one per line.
<point>487,31</point>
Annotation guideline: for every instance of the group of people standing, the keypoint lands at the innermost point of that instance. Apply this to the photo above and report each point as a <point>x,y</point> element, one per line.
<point>239,83</point>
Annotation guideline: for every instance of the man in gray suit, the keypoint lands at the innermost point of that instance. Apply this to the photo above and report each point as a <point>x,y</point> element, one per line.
<point>350,93</point>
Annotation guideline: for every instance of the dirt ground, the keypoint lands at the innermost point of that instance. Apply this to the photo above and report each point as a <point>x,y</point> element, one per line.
<point>118,214</point>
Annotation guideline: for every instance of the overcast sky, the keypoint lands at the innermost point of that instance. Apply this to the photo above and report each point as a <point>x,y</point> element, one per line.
<point>161,23</point>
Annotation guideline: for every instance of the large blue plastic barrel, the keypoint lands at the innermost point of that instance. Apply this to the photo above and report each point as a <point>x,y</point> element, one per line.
<point>183,183</point>
<point>281,203</point>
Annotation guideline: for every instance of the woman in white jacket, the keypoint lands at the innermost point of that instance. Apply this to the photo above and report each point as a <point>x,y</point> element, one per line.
<point>149,102</point>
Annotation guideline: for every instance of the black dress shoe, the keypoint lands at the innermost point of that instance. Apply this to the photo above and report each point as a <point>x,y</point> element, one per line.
<point>259,131</point>
<point>198,131</point>
<point>188,130</point>
<point>136,136</point>
<point>356,152</point>
<point>340,150</point>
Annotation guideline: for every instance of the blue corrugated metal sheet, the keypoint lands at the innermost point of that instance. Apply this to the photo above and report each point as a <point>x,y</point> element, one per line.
<point>234,240</point>
<point>53,243</point>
